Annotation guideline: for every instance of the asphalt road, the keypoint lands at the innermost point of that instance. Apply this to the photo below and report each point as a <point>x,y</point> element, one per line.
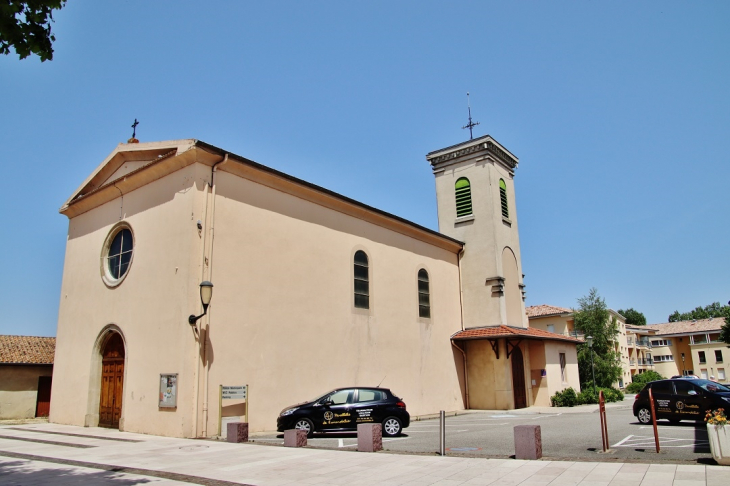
<point>564,436</point>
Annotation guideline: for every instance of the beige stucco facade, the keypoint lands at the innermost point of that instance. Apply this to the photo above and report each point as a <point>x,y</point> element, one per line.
<point>19,389</point>
<point>680,348</point>
<point>282,319</point>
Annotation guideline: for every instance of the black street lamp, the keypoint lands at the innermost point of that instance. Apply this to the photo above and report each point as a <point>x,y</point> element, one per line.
<point>684,370</point>
<point>589,341</point>
<point>206,293</point>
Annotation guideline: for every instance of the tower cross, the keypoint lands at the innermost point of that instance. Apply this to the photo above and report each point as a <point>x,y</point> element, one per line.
<point>471,124</point>
<point>134,128</point>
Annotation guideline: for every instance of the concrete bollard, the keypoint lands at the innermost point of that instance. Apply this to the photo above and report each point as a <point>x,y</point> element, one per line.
<point>528,442</point>
<point>237,432</point>
<point>295,438</point>
<point>369,437</point>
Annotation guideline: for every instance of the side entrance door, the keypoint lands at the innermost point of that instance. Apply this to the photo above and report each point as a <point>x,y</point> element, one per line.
<point>518,378</point>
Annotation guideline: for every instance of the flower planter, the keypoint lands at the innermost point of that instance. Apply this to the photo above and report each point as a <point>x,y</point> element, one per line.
<point>719,443</point>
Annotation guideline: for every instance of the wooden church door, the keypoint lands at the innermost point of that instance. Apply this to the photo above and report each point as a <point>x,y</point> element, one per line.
<point>112,382</point>
<point>518,378</point>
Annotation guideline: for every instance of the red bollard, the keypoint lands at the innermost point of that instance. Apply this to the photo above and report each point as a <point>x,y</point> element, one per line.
<point>604,422</point>
<point>653,420</point>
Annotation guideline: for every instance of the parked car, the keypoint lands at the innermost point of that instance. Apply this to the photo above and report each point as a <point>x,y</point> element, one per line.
<point>680,399</point>
<point>345,408</point>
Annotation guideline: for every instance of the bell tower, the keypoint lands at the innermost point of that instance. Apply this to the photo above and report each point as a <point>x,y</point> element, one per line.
<point>476,204</point>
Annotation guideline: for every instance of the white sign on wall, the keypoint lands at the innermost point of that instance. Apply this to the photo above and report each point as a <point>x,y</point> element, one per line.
<point>234,392</point>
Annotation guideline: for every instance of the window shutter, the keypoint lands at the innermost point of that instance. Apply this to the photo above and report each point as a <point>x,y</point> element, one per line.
<point>503,198</point>
<point>463,197</point>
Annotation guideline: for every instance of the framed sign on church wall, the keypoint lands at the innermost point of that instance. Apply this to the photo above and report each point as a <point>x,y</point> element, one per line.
<point>168,390</point>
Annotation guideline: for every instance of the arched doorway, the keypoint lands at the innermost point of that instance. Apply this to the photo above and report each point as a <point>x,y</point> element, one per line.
<point>112,381</point>
<point>518,378</point>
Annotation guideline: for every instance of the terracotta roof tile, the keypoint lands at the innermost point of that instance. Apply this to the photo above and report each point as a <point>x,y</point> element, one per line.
<point>494,332</point>
<point>27,349</point>
<point>688,327</point>
<point>546,310</point>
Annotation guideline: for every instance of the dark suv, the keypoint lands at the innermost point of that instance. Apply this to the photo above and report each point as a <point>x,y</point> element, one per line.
<point>681,399</point>
<point>344,408</point>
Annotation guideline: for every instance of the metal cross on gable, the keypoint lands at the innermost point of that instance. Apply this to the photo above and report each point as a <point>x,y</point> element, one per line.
<point>134,128</point>
<point>471,124</point>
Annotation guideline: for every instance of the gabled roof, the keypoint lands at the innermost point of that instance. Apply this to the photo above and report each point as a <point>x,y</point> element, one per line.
<point>27,349</point>
<point>133,165</point>
<point>136,156</point>
<point>496,332</point>
<point>687,327</point>
<point>545,310</point>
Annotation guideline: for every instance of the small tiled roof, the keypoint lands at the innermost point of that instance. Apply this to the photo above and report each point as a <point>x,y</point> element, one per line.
<point>546,310</point>
<point>496,332</point>
<point>27,349</point>
<point>688,327</point>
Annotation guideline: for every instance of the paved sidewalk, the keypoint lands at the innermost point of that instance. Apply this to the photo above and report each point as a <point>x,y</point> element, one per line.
<point>59,455</point>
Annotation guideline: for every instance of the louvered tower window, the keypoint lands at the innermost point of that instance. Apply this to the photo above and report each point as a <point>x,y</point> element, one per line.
<point>424,296</point>
<point>362,281</point>
<point>463,197</point>
<point>503,198</point>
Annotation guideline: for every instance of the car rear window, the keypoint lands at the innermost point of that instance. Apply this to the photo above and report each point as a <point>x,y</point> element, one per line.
<point>370,396</point>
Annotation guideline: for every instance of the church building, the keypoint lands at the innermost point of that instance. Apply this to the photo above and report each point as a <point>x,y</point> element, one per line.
<point>311,291</point>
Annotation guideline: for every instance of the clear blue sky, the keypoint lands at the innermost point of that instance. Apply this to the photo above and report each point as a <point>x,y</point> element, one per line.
<point>618,111</point>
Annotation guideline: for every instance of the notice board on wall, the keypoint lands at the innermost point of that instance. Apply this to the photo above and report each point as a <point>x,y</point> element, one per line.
<point>168,390</point>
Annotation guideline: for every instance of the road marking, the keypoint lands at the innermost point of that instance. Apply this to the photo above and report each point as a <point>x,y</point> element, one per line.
<point>455,425</point>
<point>669,427</point>
<point>637,441</point>
<point>341,443</point>
<point>618,444</point>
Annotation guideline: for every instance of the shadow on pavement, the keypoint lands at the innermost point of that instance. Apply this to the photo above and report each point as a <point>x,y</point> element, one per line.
<point>25,472</point>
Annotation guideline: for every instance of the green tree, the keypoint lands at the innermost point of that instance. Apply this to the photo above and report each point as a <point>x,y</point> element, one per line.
<point>641,379</point>
<point>25,25</point>
<point>713,310</point>
<point>633,317</point>
<point>593,319</point>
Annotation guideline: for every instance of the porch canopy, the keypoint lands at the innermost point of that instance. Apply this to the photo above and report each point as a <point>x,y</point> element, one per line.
<point>513,336</point>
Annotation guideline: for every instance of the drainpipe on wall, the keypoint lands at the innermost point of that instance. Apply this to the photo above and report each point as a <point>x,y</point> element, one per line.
<point>209,258</point>
<point>461,310</point>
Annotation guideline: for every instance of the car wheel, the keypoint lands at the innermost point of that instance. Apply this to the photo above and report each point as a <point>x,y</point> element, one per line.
<point>644,415</point>
<point>305,424</point>
<point>391,427</point>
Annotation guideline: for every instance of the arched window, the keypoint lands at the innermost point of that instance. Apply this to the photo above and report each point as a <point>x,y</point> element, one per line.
<point>503,198</point>
<point>463,197</point>
<point>424,296</point>
<point>362,281</point>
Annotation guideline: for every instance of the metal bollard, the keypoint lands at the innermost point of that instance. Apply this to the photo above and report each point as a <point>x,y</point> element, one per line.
<point>442,433</point>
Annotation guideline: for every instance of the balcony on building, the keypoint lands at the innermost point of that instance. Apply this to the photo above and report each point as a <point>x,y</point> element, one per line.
<point>643,342</point>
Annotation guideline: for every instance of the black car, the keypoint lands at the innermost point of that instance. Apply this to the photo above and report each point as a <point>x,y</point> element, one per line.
<point>344,409</point>
<point>681,399</point>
